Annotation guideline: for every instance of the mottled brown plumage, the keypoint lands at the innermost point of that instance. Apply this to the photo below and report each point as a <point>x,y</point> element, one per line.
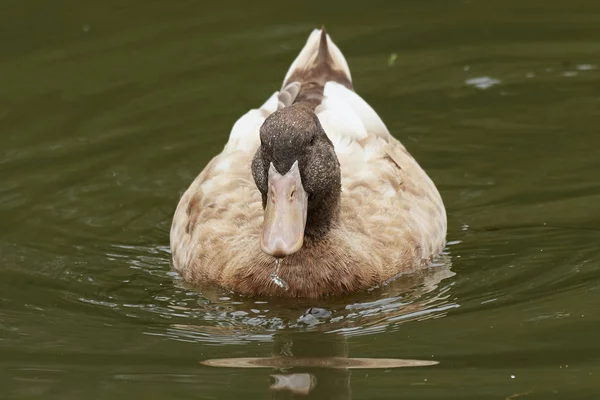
<point>385,217</point>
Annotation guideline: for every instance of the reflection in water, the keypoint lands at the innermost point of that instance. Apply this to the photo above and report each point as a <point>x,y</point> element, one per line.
<point>303,361</point>
<point>295,383</point>
<point>309,365</point>
<point>316,362</point>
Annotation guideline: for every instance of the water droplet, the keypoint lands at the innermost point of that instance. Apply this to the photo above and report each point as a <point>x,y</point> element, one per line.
<point>276,278</point>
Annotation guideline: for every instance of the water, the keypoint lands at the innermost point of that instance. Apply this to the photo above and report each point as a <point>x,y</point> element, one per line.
<point>108,110</point>
<point>279,281</point>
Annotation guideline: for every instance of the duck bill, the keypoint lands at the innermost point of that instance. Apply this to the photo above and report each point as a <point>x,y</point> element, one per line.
<point>285,213</point>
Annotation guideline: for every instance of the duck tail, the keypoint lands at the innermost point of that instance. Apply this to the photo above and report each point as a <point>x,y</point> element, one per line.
<point>319,62</point>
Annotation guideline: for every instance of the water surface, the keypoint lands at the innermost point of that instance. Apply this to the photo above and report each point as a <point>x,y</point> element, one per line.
<point>108,110</point>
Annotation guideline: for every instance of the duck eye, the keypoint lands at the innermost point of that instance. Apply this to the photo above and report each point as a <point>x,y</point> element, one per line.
<point>313,139</point>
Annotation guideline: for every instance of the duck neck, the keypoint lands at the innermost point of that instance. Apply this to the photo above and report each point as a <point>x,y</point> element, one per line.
<point>323,215</point>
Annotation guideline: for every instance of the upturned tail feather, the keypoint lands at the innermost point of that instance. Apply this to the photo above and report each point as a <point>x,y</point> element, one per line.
<point>319,62</point>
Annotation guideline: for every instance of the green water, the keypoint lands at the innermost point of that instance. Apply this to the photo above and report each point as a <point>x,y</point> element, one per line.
<point>108,110</point>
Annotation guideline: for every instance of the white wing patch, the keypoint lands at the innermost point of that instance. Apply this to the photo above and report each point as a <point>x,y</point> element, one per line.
<point>245,132</point>
<point>339,119</point>
<point>344,113</point>
<point>338,98</point>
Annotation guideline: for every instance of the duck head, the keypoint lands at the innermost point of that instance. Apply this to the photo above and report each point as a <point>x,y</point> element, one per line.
<point>298,174</point>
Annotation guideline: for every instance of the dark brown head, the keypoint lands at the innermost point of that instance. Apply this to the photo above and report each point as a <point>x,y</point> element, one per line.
<point>298,174</point>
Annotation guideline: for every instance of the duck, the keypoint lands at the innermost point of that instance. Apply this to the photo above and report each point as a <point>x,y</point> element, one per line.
<point>311,188</point>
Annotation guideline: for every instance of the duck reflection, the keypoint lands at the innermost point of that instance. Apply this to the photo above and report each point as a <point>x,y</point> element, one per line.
<point>312,366</point>
<point>308,374</point>
<point>302,383</point>
<point>309,356</point>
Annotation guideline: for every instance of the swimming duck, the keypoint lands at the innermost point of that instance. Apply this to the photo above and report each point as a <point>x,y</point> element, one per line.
<point>313,179</point>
